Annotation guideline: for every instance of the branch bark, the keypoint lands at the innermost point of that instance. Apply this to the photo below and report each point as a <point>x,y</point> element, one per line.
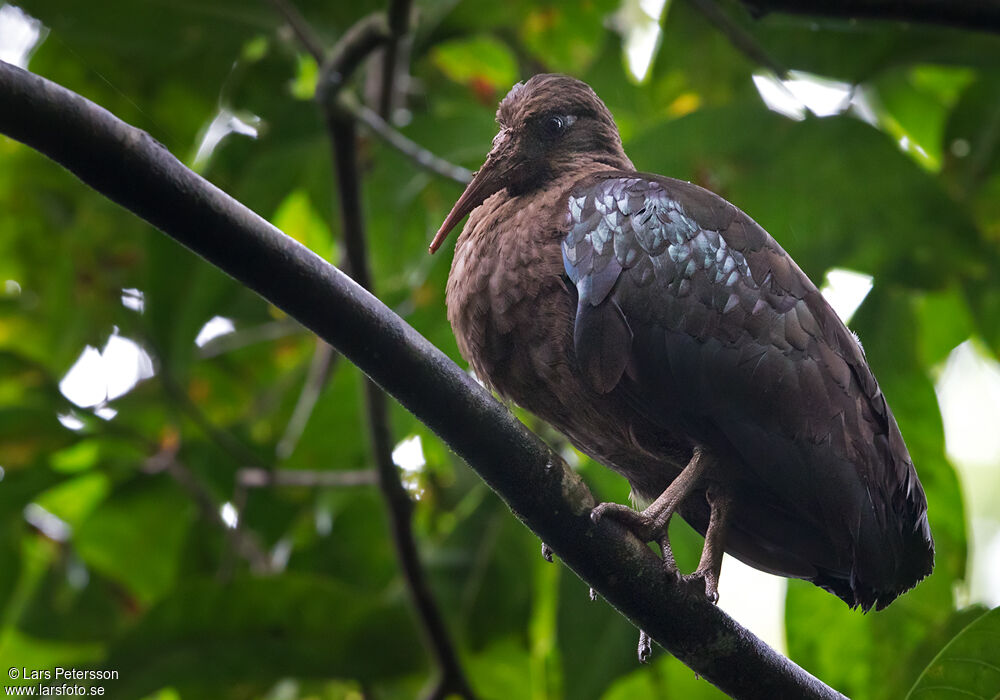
<point>131,168</point>
<point>982,15</point>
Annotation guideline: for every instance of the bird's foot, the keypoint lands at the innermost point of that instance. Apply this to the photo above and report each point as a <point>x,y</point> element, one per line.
<point>705,579</point>
<point>645,649</point>
<point>700,583</point>
<point>651,524</point>
<point>644,526</point>
<point>648,528</point>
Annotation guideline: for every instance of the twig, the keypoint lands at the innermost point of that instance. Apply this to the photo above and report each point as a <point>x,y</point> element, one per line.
<point>259,478</point>
<point>270,330</point>
<point>343,136</point>
<point>981,15</point>
<point>303,32</point>
<point>321,366</point>
<point>226,441</point>
<point>418,154</point>
<point>353,47</point>
<point>357,43</point>
<point>399,24</point>
<point>134,170</point>
<point>740,38</point>
<point>243,542</point>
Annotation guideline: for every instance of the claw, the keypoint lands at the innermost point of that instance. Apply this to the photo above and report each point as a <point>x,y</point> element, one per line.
<point>645,649</point>
<point>652,524</point>
<point>546,552</point>
<point>701,583</point>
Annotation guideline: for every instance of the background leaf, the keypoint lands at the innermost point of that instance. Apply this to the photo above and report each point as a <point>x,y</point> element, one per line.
<point>127,539</point>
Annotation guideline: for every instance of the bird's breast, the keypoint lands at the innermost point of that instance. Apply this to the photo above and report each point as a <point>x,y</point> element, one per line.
<point>507,302</point>
<point>513,310</point>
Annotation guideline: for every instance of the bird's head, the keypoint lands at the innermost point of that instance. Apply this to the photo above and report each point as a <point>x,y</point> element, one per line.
<point>550,125</point>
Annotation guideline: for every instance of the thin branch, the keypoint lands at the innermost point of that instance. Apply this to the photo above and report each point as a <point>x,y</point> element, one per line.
<point>399,24</point>
<point>352,48</point>
<point>260,478</point>
<point>343,136</point>
<point>357,43</point>
<point>226,441</point>
<point>981,15</point>
<point>242,542</point>
<point>133,169</point>
<point>323,362</point>
<point>303,32</point>
<point>418,154</point>
<point>264,332</point>
<point>744,41</point>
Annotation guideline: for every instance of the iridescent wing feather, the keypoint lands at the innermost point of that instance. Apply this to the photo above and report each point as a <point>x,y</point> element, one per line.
<point>694,311</point>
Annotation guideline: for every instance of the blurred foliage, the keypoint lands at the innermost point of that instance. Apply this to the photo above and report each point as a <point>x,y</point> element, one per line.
<point>967,665</point>
<point>108,560</point>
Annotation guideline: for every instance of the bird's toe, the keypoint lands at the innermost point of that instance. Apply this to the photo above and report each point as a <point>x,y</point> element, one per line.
<point>639,524</point>
<point>701,583</point>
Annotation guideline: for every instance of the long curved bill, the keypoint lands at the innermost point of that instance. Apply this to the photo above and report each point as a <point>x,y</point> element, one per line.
<point>486,182</point>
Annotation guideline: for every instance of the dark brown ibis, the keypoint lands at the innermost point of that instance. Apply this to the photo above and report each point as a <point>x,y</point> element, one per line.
<point>669,337</point>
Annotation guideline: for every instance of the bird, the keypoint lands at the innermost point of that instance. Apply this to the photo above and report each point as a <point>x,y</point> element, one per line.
<point>670,338</point>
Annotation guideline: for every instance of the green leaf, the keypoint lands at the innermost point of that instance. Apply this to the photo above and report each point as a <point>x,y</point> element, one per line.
<point>135,536</point>
<point>483,62</point>
<point>260,630</point>
<point>802,182</point>
<point>968,666</point>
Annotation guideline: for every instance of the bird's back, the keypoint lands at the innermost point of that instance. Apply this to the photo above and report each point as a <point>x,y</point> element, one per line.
<point>649,320</point>
<point>731,344</point>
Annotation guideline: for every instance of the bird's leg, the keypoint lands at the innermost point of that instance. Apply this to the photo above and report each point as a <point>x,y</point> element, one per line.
<point>707,573</point>
<point>653,523</point>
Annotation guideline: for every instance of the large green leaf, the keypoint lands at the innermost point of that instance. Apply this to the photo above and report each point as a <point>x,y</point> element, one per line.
<point>256,631</point>
<point>968,666</point>
<point>833,192</point>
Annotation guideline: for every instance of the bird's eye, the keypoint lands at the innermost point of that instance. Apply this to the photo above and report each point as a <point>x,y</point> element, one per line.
<point>554,126</point>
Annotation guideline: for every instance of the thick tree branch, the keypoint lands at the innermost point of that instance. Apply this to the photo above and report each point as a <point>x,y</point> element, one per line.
<point>983,15</point>
<point>131,168</point>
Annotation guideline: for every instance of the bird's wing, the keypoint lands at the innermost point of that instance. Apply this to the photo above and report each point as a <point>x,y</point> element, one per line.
<point>690,307</point>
